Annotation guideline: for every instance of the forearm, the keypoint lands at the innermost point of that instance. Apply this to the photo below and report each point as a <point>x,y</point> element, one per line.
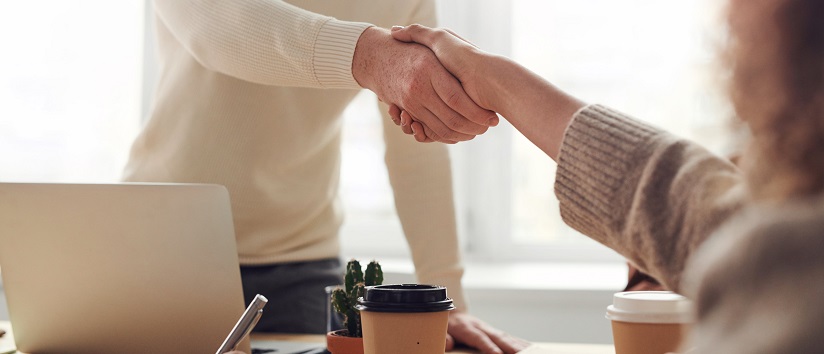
<point>538,109</point>
<point>264,41</point>
<point>643,192</point>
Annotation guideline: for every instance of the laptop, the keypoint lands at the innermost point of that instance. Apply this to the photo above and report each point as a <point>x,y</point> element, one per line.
<point>119,268</point>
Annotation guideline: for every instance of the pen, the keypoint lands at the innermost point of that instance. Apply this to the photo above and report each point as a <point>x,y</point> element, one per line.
<point>244,325</point>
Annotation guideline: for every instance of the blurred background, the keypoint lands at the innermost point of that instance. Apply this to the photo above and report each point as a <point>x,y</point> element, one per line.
<point>76,82</point>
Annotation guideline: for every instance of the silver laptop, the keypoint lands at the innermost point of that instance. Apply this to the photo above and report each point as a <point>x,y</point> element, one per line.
<point>119,268</point>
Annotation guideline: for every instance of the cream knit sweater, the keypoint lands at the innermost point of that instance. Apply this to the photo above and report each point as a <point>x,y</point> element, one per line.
<point>681,214</point>
<point>250,96</point>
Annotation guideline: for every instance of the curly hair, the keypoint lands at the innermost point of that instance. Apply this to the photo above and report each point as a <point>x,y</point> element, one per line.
<point>776,56</point>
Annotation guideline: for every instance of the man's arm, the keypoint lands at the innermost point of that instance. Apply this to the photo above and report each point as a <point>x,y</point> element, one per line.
<point>271,42</point>
<point>268,42</point>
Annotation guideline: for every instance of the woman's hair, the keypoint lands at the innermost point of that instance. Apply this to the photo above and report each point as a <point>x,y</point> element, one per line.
<point>776,55</point>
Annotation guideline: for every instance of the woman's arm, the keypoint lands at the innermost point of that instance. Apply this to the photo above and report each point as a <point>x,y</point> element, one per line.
<point>538,109</point>
<point>637,189</point>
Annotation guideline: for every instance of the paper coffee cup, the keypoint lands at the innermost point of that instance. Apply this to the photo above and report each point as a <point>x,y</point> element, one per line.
<point>404,319</point>
<point>649,322</point>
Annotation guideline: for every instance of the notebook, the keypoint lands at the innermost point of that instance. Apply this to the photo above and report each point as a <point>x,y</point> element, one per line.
<point>119,268</point>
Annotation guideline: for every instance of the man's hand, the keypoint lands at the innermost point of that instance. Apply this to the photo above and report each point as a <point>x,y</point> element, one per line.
<point>466,329</point>
<point>463,60</point>
<point>410,77</point>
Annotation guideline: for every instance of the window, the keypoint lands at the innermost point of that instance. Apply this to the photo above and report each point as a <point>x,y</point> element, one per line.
<point>654,60</point>
<point>70,81</point>
<point>70,105</point>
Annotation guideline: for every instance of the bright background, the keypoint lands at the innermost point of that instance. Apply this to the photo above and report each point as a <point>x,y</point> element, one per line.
<point>76,80</point>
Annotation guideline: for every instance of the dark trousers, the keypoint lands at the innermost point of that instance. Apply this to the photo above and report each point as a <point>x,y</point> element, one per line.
<point>297,299</point>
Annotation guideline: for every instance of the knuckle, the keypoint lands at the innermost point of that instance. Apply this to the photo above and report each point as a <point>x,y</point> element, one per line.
<point>456,123</point>
<point>439,33</point>
<point>453,98</point>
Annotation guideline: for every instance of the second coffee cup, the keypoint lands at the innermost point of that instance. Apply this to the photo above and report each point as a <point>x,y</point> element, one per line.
<point>648,322</point>
<point>404,319</point>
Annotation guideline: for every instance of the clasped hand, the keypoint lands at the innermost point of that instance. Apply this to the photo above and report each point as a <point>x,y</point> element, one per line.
<point>409,78</point>
<point>457,56</point>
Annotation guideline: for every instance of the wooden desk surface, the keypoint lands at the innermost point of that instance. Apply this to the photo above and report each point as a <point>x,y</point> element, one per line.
<point>7,341</point>
<point>557,348</point>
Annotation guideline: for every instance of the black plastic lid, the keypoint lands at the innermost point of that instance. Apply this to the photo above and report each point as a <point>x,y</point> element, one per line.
<point>405,298</point>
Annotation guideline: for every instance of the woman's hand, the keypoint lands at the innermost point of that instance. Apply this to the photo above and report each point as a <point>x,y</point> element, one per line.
<point>538,109</point>
<point>460,57</point>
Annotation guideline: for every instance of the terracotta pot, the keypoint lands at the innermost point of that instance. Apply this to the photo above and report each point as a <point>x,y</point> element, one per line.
<point>338,343</point>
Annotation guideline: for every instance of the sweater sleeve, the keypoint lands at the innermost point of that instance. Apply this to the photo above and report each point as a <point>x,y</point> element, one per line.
<point>267,42</point>
<point>643,192</point>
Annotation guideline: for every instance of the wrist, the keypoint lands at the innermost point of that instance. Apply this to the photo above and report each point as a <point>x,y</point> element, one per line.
<point>494,93</point>
<point>364,61</point>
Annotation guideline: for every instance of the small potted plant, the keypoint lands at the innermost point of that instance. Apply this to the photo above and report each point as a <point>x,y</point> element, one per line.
<point>350,339</point>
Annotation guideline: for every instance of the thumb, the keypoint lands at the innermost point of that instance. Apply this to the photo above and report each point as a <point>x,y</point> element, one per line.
<point>450,342</point>
<point>413,33</point>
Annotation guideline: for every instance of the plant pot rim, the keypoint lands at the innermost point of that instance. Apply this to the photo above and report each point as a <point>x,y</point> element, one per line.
<point>338,343</point>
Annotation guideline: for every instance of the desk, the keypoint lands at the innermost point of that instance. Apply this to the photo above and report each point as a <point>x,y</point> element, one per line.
<point>7,341</point>
<point>559,348</point>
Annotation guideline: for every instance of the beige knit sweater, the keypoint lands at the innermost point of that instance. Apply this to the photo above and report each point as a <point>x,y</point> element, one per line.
<point>250,96</point>
<point>681,214</point>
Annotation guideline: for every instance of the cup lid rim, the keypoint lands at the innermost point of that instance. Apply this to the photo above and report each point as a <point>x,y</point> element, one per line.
<point>650,306</point>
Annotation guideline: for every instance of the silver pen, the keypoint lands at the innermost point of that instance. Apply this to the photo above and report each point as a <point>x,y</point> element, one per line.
<point>244,325</point>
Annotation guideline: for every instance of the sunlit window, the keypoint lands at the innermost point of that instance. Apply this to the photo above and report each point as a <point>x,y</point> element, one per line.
<point>652,59</point>
<point>655,60</point>
<point>70,105</point>
<point>70,81</point>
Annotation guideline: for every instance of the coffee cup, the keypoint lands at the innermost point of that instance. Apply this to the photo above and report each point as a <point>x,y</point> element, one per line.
<point>649,322</point>
<point>404,319</point>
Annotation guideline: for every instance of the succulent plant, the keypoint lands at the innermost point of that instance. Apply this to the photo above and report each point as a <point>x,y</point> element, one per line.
<point>345,299</point>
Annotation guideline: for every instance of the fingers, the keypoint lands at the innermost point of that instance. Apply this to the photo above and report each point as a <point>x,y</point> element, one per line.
<point>477,339</point>
<point>450,343</point>
<point>467,329</point>
<point>418,132</point>
<point>422,134</point>
<point>395,114</point>
<point>505,342</point>
<point>431,120</point>
<point>452,93</point>
<point>406,123</point>
<point>427,136</point>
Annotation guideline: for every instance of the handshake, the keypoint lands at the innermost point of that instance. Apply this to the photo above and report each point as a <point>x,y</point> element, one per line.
<point>442,88</point>
<point>429,79</point>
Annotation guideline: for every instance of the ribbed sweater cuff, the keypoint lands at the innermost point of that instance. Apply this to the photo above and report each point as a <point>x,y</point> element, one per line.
<point>334,49</point>
<point>600,149</point>
<point>454,290</point>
